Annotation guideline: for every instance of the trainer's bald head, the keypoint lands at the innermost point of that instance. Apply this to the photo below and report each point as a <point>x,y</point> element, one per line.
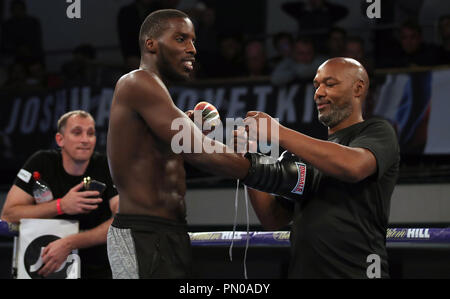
<point>351,69</point>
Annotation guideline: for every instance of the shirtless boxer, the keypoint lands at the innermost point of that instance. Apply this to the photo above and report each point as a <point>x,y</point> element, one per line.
<point>148,237</point>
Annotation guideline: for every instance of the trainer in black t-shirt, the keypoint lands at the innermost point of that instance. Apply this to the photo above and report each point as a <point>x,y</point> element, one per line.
<point>341,224</point>
<point>94,260</point>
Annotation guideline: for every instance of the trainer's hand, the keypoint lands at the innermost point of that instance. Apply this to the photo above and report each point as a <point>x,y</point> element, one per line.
<point>242,143</point>
<point>254,118</point>
<point>80,202</point>
<point>54,255</point>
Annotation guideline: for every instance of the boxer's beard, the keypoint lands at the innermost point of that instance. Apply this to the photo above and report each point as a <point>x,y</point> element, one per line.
<point>336,114</point>
<point>167,71</point>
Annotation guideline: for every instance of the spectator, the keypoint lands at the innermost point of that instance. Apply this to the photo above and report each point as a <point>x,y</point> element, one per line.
<point>17,75</point>
<point>315,16</point>
<point>230,62</point>
<point>354,48</point>
<point>301,65</point>
<point>81,68</point>
<point>21,36</point>
<point>384,40</point>
<point>282,43</point>
<point>256,59</point>
<point>413,51</point>
<point>408,8</point>
<point>29,76</point>
<point>129,22</point>
<point>233,16</point>
<point>36,75</point>
<point>207,39</point>
<point>63,170</point>
<point>444,34</point>
<point>336,42</point>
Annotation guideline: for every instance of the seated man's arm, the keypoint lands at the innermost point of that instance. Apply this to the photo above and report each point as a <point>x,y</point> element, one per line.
<point>56,252</point>
<point>19,204</point>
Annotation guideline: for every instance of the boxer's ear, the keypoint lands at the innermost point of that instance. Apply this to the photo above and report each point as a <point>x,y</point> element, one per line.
<point>151,45</point>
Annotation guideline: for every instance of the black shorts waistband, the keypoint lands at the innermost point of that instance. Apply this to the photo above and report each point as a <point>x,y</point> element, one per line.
<point>148,223</point>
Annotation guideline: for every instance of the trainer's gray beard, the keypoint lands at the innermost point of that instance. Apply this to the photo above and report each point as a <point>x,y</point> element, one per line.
<point>336,115</point>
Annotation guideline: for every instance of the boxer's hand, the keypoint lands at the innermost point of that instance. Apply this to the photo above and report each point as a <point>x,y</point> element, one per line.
<point>254,118</point>
<point>76,202</point>
<point>242,143</point>
<point>54,255</point>
<point>190,114</point>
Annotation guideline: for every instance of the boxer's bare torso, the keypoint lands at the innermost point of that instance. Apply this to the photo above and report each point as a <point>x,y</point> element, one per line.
<point>150,178</point>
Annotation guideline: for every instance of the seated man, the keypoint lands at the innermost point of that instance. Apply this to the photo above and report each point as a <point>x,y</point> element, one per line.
<point>63,171</point>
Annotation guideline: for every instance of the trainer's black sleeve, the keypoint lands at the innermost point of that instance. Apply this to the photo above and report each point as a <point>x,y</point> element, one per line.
<point>380,138</point>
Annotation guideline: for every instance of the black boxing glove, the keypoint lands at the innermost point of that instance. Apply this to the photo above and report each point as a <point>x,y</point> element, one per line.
<point>288,176</point>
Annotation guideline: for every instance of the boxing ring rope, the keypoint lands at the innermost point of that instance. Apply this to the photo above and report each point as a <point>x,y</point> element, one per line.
<point>396,238</point>
<point>8,229</point>
<point>257,238</point>
<point>281,238</point>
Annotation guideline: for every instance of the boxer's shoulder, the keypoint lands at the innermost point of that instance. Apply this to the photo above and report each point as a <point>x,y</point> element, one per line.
<point>138,84</point>
<point>138,74</point>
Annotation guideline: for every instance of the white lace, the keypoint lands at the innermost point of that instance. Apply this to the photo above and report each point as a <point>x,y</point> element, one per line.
<point>235,224</point>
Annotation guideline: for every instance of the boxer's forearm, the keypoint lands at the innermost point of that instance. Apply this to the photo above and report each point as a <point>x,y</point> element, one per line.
<point>215,157</point>
<point>343,162</point>
<point>230,165</point>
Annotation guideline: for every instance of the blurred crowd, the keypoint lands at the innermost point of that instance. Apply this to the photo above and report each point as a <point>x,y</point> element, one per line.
<point>227,47</point>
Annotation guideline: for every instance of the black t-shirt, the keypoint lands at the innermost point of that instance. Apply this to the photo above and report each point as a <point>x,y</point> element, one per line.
<point>94,260</point>
<point>340,224</point>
